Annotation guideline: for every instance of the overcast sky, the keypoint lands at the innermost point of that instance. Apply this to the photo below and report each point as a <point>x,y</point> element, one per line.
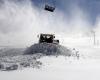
<point>20,20</point>
<point>92,7</point>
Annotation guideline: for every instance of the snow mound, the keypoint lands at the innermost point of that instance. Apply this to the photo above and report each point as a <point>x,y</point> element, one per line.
<point>48,49</point>
<point>9,63</point>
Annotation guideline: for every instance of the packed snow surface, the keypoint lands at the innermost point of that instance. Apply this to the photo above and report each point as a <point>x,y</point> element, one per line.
<point>58,68</point>
<point>86,67</point>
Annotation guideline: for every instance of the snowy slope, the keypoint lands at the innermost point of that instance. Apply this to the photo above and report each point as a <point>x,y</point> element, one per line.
<point>87,67</point>
<point>61,68</point>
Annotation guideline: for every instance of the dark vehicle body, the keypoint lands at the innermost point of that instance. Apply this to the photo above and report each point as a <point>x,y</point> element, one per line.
<point>48,38</point>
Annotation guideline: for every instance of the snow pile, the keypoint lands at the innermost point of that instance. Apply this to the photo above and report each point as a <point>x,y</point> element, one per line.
<point>48,49</point>
<point>14,59</point>
<point>9,63</point>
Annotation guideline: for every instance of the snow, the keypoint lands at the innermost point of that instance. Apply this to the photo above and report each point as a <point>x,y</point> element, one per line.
<point>23,28</point>
<point>48,49</point>
<point>87,67</point>
<point>60,68</point>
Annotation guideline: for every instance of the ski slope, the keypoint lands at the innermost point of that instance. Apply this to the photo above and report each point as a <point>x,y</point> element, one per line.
<point>60,68</point>
<point>87,67</point>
